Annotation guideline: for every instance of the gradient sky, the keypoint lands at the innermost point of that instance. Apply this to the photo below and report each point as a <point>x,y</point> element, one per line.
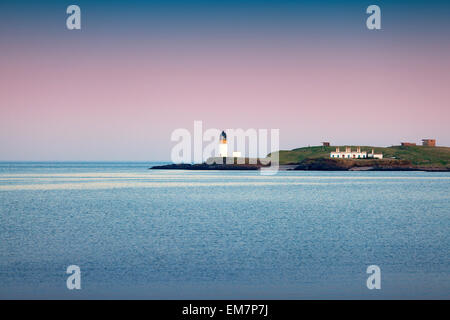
<point>138,70</point>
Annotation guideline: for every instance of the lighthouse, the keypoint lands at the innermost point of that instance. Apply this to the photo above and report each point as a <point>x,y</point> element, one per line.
<point>223,146</point>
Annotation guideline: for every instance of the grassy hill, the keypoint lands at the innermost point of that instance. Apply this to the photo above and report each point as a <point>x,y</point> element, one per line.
<point>417,155</point>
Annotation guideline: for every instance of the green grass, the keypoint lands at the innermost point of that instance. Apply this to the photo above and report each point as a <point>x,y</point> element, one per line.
<point>417,155</point>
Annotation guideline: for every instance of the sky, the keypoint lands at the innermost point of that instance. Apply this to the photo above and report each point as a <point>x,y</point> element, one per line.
<point>137,70</point>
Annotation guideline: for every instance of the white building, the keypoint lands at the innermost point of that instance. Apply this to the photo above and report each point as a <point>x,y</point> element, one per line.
<point>358,154</point>
<point>349,154</point>
<point>223,148</point>
<point>375,155</point>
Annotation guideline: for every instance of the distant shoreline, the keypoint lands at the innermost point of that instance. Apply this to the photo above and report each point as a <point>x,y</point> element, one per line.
<point>313,165</point>
<point>365,165</point>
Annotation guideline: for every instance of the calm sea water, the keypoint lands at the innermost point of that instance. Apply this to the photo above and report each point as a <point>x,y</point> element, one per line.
<point>138,233</point>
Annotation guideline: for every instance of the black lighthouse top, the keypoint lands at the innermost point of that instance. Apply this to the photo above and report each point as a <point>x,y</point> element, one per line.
<point>223,136</point>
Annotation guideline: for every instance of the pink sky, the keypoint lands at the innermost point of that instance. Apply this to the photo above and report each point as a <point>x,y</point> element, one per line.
<point>102,104</point>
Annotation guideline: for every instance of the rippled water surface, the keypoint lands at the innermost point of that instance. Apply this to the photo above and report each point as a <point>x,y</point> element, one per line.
<point>138,233</point>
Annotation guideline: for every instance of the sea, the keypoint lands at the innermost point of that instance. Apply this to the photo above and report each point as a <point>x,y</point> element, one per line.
<point>137,233</point>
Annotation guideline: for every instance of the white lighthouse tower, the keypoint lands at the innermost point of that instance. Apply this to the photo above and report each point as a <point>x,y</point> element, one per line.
<point>223,146</point>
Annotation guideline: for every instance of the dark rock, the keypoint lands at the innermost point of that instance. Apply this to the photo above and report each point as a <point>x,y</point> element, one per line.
<point>204,166</point>
<point>356,165</point>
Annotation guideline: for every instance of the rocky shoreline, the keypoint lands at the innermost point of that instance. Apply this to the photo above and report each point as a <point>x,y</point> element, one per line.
<point>319,164</point>
<point>204,166</point>
<point>364,165</point>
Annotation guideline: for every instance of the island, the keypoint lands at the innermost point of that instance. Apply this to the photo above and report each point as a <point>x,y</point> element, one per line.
<point>394,158</point>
